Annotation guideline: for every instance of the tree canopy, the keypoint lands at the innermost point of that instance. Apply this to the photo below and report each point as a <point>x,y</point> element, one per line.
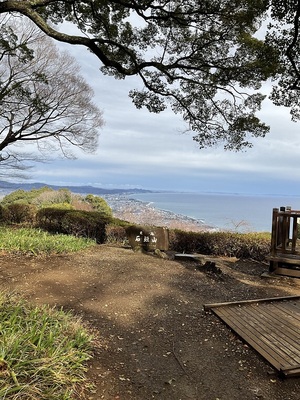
<point>205,59</point>
<point>46,197</point>
<point>43,98</point>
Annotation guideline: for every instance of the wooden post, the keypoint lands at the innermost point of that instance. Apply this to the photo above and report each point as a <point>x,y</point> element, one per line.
<point>274,237</point>
<point>295,233</point>
<point>285,230</point>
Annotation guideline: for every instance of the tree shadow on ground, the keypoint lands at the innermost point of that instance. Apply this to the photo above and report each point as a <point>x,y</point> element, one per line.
<point>154,338</point>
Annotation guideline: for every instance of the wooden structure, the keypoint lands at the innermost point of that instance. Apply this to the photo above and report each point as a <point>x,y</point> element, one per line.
<point>270,326</point>
<point>284,256</point>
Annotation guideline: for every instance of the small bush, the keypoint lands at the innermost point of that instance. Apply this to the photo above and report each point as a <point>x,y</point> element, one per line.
<point>2,214</point>
<point>73,222</point>
<point>50,219</point>
<point>85,224</point>
<point>99,204</point>
<point>248,245</point>
<point>62,206</point>
<point>115,234</point>
<point>17,213</point>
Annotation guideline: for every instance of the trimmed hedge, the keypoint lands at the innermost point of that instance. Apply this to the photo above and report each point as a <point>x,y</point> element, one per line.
<point>241,245</point>
<point>89,224</point>
<point>2,214</point>
<point>18,213</point>
<point>115,234</point>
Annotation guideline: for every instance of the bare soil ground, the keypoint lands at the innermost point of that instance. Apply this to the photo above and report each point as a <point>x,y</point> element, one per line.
<point>155,340</point>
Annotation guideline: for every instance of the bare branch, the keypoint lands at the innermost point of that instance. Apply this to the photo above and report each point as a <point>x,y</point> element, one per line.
<point>51,102</point>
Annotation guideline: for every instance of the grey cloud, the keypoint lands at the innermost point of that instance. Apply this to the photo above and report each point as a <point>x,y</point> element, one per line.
<point>137,148</point>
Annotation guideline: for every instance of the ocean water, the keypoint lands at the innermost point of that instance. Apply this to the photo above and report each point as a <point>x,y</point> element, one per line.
<point>223,211</point>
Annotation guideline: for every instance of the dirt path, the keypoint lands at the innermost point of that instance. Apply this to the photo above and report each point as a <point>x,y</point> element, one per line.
<point>156,342</point>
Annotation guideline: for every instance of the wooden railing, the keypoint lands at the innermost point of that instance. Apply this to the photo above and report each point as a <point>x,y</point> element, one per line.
<point>285,254</point>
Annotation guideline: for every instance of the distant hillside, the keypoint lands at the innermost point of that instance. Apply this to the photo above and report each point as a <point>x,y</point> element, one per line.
<point>10,187</point>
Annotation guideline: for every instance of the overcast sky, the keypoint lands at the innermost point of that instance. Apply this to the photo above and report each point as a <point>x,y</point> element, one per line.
<point>142,150</point>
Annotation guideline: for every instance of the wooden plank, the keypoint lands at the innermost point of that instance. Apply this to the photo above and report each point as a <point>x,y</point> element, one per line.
<point>272,322</point>
<point>256,332</point>
<point>274,340</point>
<point>228,303</point>
<point>292,308</point>
<point>287,272</point>
<point>282,335</point>
<point>289,256</point>
<point>280,317</point>
<point>270,326</point>
<point>293,259</point>
<point>251,338</point>
<point>280,326</point>
<point>290,311</point>
<point>292,371</point>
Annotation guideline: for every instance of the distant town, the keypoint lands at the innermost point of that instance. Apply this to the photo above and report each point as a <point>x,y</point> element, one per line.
<point>123,206</point>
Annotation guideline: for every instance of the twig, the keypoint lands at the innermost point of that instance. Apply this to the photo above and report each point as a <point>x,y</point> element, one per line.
<point>178,359</point>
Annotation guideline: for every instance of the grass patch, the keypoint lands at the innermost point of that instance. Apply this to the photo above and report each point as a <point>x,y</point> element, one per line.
<point>43,352</point>
<point>37,241</point>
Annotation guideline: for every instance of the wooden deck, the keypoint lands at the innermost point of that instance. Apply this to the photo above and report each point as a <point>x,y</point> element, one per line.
<point>284,254</point>
<point>270,326</point>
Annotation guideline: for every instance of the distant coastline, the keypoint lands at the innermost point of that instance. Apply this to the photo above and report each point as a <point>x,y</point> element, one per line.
<point>123,206</point>
<point>206,211</point>
<point>144,213</point>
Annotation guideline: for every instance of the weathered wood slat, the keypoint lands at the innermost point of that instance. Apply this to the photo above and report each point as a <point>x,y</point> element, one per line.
<point>283,336</point>
<point>291,312</point>
<point>293,371</point>
<point>286,258</point>
<point>293,309</point>
<point>270,326</point>
<point>287,272</point>
<point>268,299</point>
<point>271,340</point>
<point>280,318</point>
<point>250,336</point>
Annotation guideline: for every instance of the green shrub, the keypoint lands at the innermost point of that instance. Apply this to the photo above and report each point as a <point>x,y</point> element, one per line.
<point>23,196</point>
<point>2,214</point>
<point>73,222</point>
<point>50,197</point>
<point>241,245</point>
<point>50,219</point>
<point>85,224</point>
<point>46,197</point>
<point>13,197</point>
<point>99,204</point>
<point>62,206</point>
<point>17,213</point>
<point>120,222</point>
<point>115,234</point>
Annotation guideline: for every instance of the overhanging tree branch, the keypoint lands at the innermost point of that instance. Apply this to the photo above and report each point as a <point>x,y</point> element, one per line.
<point>200,58</point>
<point>290,53</point>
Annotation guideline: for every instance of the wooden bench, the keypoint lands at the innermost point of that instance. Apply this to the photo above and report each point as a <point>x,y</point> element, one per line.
<point>284,255</point>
